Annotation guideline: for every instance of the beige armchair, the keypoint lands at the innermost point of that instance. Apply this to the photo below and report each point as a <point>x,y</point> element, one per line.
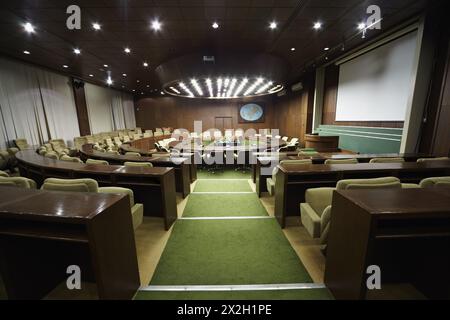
<point>137,209</point>
<point>90,185</point>
<point>341,161</point>
<point>78,142</point>
<point>433,159</point>
<point>117,141</point>
<point>138,164</point>
<point>316,211</point>
<point>93,161</point>
<point>22,144</point>
<point>52,155</point>
<point>4,174</point>
<point>59,146</point>
<point>435,182</point>
<point>19,182</point>
<point>270,182</point>
<point>133,154</point>
<point>70,159</point>
<point>387,160</point>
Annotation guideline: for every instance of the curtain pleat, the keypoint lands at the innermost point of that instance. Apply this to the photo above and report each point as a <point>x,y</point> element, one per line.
<point>109,109</point>
<point>35,104</point>
<point>39,105</point>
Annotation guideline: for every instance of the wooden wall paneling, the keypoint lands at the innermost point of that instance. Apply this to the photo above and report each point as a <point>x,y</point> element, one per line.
<point>81,106</point>
<point>435,135</point>
<point>182,113</point>
<point>294,111</point>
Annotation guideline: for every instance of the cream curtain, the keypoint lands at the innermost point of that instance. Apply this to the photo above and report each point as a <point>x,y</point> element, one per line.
<point>98,100</point>
<point>128,111</point>
<point>109,109</point>
<point>59,106</point>
<point>21,105</point>
<point>35,104</point>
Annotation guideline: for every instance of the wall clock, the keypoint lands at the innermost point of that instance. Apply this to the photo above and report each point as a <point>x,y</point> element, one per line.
<point>251,113</point>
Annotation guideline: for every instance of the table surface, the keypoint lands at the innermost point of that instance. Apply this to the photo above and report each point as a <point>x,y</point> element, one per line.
<point>401,201</point>
<point>50,205</point>
<point>32,158</point>
<point>300,169</point>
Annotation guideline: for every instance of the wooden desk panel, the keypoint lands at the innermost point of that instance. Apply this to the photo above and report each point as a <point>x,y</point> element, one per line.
<point>42,233</point>
<point>322,143</point>
<point>264,160</point>
<point>184,173</point>
<point>153,187</point>
<point>406,232</point>
<point>292,181</point>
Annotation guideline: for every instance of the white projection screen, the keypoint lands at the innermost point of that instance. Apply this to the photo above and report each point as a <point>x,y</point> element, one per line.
<point>376,86</point>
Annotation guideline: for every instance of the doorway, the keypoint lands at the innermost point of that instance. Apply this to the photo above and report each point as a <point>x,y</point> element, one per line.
<point>223,123</point>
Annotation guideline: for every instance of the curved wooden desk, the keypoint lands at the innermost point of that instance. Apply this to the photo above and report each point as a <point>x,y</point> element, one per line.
<point>292,181</point>
<point>181,165</point>
<point>153,187</point>
<point>146,144</point>
<point>53,230</point>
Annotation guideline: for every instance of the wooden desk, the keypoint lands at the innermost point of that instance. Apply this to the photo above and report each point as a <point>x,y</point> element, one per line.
<point>406,232</point>
<point>292,181</point>
<point>182,165</point>
<point>147,144</point>
<point>270,160</point>
<point>153,187</point>
<point>322,143</point>
<point>42,233</point>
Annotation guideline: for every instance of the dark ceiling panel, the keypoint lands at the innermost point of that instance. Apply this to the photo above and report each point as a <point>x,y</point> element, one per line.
<point>186,29</point>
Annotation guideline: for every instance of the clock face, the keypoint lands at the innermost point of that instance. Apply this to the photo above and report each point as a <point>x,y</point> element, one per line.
<point>251,112</point>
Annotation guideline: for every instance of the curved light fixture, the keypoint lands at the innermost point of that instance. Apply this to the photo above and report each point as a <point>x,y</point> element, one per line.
<point>221,87</point>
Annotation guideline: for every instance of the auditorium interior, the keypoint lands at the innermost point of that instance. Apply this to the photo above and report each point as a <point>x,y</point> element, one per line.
<point>224,150</point>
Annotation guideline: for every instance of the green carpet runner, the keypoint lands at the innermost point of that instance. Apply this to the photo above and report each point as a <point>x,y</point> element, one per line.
<point>228,251</point>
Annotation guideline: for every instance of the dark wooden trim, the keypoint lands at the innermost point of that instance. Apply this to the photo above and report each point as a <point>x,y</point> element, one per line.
<point>80,103</point>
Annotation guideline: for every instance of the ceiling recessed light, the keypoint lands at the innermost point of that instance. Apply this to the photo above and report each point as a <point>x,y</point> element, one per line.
<point>65,66</point>
<point>292,49</point>
<point>127,50</point>
<point>109,81</point>
<point>148,86</point>
<point>138,81</point>
<point>156,25</point>
<point>215,25</point>
<point>124,74</point>
<point>28,27</point>
<point>361,26</point>
<point>96,26</point>
<point>326,49</point>
<point>77,51</point>
<point>105,65</point>
<point>91,75</point>
<point>317,26</point>
<point>162,93</point>
<point>26,52</point>
<point>145,64</point>
<point>273,25</point>
<point>134,90</point>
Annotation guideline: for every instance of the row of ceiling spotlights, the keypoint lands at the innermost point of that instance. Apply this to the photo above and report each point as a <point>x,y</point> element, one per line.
<point>225,88</point>
<point>156,25</point>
